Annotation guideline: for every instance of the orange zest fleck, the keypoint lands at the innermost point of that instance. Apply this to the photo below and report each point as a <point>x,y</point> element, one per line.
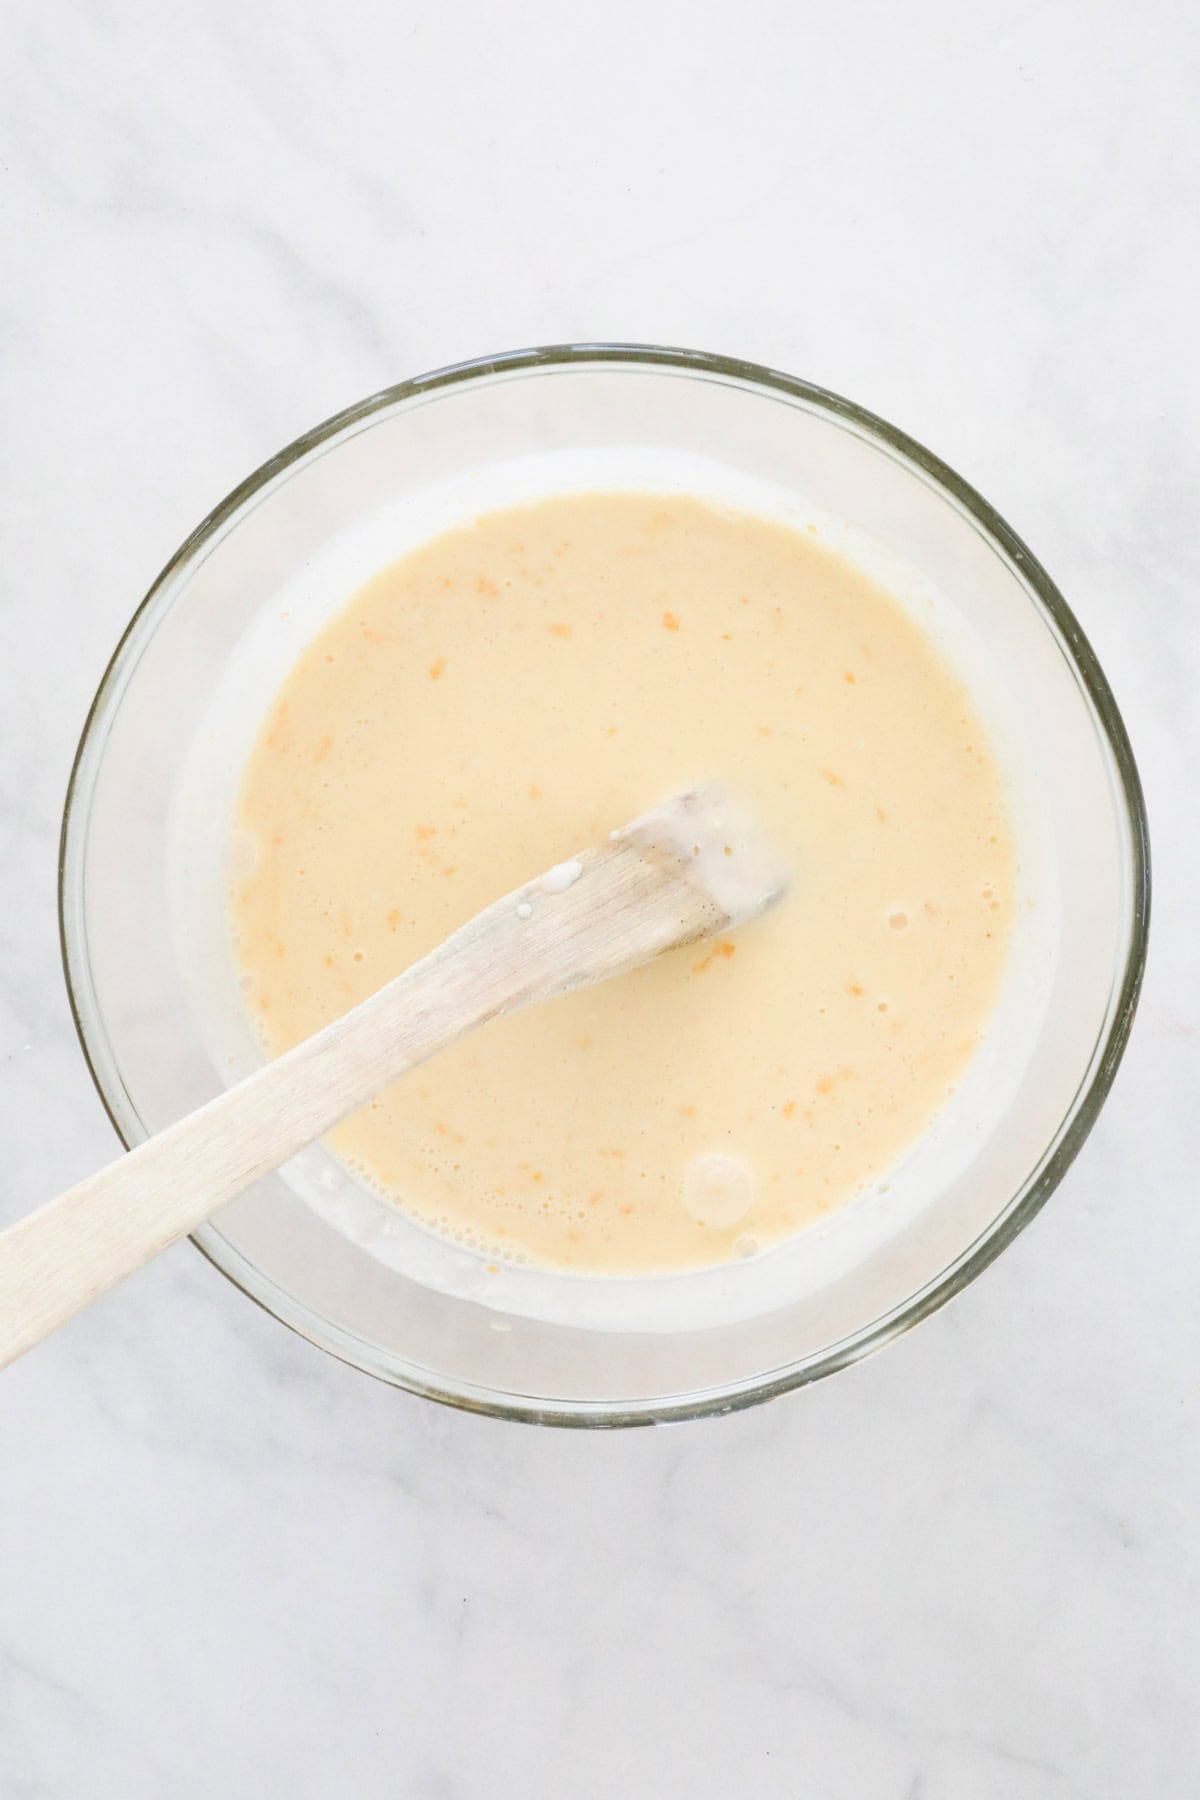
<point>722,950</point>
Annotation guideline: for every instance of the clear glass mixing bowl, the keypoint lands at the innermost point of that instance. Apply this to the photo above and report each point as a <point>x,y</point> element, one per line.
<point>139,1030</point>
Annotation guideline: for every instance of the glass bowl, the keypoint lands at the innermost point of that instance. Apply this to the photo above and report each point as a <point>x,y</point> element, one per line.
<point>1069,1006</point>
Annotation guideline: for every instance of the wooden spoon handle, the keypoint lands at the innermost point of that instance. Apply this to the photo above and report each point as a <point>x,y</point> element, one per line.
<point>60,1258</point>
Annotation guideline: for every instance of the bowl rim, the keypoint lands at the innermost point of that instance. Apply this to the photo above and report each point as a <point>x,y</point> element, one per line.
<point>1111,1042</point>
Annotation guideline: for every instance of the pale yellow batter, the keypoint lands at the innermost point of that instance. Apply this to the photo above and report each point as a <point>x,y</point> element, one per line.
<point>513,690</point>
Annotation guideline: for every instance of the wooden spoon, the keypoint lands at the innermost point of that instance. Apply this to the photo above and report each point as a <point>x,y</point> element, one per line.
<point>692,867</point>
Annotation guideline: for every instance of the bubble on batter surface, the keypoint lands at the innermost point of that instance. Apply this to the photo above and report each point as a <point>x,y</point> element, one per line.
<point>718,1189</point>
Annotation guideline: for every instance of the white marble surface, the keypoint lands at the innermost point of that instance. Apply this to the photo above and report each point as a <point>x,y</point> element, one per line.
<point>967,1570</point>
